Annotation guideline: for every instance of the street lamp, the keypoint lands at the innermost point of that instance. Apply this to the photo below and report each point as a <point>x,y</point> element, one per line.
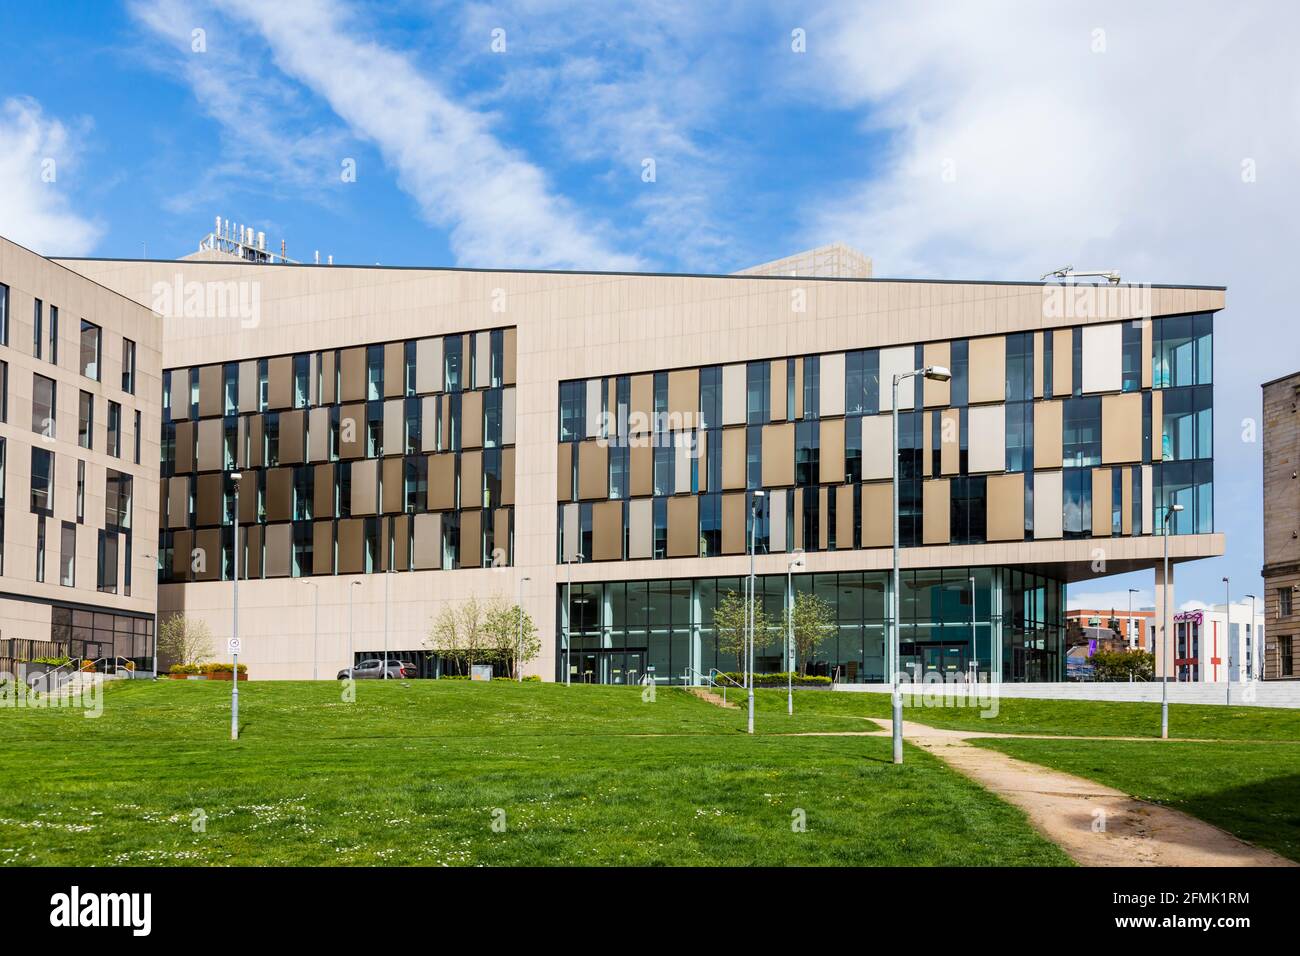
<point>751,615</point>
<point>568,613</point>
<point>1170,511</point>
<point>235,477</point>
<point>1227,630</point>
<point>315,629</point>
<point>796,561</point>
<point>387,572</point>
<point>935,373</point>
<point>519,630</point>
<point>1129,623</point>
<point>352,653</point>
<point>974,647</point>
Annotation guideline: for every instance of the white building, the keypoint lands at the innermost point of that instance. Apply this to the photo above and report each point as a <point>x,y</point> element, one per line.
<point>1204,651</point>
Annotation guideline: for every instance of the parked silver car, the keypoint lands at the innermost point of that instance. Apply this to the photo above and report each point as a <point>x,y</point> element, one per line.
<point>373,669</point>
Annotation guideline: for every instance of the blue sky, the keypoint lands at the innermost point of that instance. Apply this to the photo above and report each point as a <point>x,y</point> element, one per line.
<point>993,140</point>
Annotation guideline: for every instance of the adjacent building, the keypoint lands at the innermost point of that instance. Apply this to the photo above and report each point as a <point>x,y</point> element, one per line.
<point>1281,569</point>
<point>1209,648</point>
<point>80,418</point>
<point>1134,630</point>
<point>610,447</point>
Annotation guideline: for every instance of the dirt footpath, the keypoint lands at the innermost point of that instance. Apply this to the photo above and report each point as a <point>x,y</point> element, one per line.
<point>1095,825</point>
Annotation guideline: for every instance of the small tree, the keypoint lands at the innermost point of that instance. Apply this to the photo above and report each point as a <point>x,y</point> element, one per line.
<point>512,634</point>
<point>459,634</point>
<point>729,625</point>
<point>814,621</point>
<point>184,640</point>
<point>1122,665</point>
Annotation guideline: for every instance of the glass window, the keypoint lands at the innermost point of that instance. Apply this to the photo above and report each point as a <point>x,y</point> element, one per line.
<point>44,405</point>
<point>229,462</point>
<point>1188,427</point>
<point>711,396</point>
<point>959,389</point>
<point>115,429</point>
<point>54,335</point>
<point>81,490</point>
<point>91,349</point>
<point>86,420</point>
<point>1076,484</point>
<point>1081,432</point>
<point>451,361</point>
<point>573,410</point>
<point>106,580</point>
<point>862,382</point>
<point>1182,351</point>
<point>807,453</point>
<point>42,481</point>
<point>301,380</point>
<point>812,396</point>
<point>374,372</point>
<point>4,314</point>
<point>38,311</point>
<point>853,449</point>
<point>754,457</point>
<point>128,366</point>
<point>758,383</point>
<point>1132,356</point>
<point>1020,367</point>
<point>4,391</point>
<point>68,555</point>
<point>40,550</point>
<point>664,464</point>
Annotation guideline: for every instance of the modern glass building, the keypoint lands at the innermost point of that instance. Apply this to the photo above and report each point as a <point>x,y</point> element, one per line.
<point>409,439</point>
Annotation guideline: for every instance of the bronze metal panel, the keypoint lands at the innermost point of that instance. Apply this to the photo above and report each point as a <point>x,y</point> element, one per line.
<point>208,500</point>
<point>471,539</point>
<point>778,454</point>
<point>394,369</point>
<point>279,494</point>
<point>212,397</point>
<point>593,470</point>
<point>733,524</point>
<point>352,431</point>
<point>607,531</point>
<point>442,481</point>
<point>293,437</point>
<point>279,380</point>
<point>830,464</point>
<point>352,385</point>
<point>394,500</point>
<point>684,526</point>
<point>471,420</point>
<point>322,505</point>
<point>322,547</point>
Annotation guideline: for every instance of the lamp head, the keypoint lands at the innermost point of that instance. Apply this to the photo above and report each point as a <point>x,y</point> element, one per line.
<point>236,476</point>
<point>937,373</point>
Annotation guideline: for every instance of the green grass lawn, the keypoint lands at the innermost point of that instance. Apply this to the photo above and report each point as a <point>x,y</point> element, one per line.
<point>1249,789</point>
<point>415,774</point>
<point>1084,718</point>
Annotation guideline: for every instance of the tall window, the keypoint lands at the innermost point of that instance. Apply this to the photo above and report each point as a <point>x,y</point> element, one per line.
<point>38,313</point>
<point>91,349</point>
<point>86,420</point>
<point>42,481</point>
<point>40,550</point>
<point>54,335</point>
<point>1081,432</point>
<point>68,555</point>
<point>1284,602</point>
<point>128,366</point>
<point>137,436</point>
<point>106,579</point>
<point>81,490</point>
<point>44,405</point>
<point>115,429</point>
<point>4,391</point>
<point>4,314</point>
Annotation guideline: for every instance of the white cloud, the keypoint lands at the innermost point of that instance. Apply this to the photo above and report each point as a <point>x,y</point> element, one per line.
<point>1131,158</point>
<point>498,206</point>
<point>1107,600</point>
<point>36,154</point>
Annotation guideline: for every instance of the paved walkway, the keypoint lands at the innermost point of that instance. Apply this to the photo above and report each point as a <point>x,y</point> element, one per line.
<point>1096,825</point>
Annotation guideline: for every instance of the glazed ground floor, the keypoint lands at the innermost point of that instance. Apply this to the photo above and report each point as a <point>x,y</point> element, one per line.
<point>994,623</point>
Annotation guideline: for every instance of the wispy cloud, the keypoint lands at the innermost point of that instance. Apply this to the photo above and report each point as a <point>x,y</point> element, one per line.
<point>37,153</point>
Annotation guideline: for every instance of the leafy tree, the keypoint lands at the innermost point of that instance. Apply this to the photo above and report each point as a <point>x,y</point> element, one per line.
<point>814,621</point>
<point>459,634</point>
<point>512,634</point>
<point>1120,665</point>
<point>729,625</point>
<point>184,640</point>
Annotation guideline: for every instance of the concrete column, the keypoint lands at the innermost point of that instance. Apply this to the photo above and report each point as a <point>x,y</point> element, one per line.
<point>1164,592</point>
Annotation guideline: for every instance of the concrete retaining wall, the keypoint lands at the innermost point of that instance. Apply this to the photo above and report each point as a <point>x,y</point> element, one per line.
<point>1256,693</point>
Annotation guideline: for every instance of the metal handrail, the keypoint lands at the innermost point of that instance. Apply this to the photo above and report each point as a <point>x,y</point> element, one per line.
<point>730,680</point>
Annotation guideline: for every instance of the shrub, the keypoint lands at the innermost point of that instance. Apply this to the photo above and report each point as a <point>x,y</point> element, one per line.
<point>185,669</point>
<point>222,668</point>
<point>1119,665</point>
<point>52,661</point>
<point>780,680</point>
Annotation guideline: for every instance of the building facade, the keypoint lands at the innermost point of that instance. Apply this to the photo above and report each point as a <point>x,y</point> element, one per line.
<point>79,424</point>
<point>609,447</point>
<point>1211,649</point>
<point>1132,629</point>
<point>1281,569</point>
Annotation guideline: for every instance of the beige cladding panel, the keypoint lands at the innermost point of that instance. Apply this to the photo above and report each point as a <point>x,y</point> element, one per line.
<point>471,479</point>
<point>429,423</point>
<point>593,470</point>
<point>509,348</point>
<point>733,395</point>
<point>394,433</point>
<point>428,541</point>
<point>212,399</point>
<point>1048,510</point>
<point>365,486</point>
<point>1048,446</point>
<point>482,359</point>
<point>684,397</point>
<point>352,377</point>
<point>733,458</point>
<point>1103,357</point>
<point>777,524</point>
<point>778,453</point>
<point>471,420</point>
<point>392,492</point>
<point>1062,362</point>
<point>279,494</point>
<point>642,410</point>
<point>937,394</point>
<point>640,527</point>
<point>1005,497</point>
<point>642,465</point>
<point>831,384</point>
<point>1038,365</point>
<point>936,511</point>
<point>292,437</point>
<point>683,450</point>
<point>279,378</point>
<point>844,518</point>
<point>777,374</point>
<point>1146,353</point>
<point>394,369</point>
<point>897,361</point>
<point>949,442</point>
<point>508,416</point>
<point>1121,427</point>
<point>877,447</point>
<point>352,431</point>
<point>211,444</point>
<point>248,387</point>
<point>279,550</point>
<point>987,438</point>
<point>502,551</point>
<point>471,539</point>
<point>607,531</point>
<point>428,369</point>
<point>684,526</point>
<point>318,434</point>
<point>1102,502</point>
<point>733,523</point>
<point>988,369</point>
<point>563,471</point>
<point>877,515</point>
<point>831,457</point>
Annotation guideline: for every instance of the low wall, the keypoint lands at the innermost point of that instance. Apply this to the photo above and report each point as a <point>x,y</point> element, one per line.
<point>1253,694</point>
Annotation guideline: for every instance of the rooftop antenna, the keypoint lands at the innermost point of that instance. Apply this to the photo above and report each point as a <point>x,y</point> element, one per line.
<point>1069,272</point>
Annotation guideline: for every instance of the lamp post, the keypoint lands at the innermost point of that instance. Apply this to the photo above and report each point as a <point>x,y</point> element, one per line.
<point>352,652</point>
<point>752,615</point>
<point>936,373</point>
<point>974,648</point>
<point>155,617</point>
<point>1170,510</point>
<point>1227,630</point>
<point>568,613</point>
<point>387,572</point>
<point>315,629</point>
<point>796,561</point>
<point>1129,623</point>
<point>519,629</point>
<point>235,477</point>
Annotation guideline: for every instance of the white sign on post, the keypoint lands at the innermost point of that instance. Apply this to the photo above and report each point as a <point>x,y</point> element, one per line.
<point>232,645</point>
